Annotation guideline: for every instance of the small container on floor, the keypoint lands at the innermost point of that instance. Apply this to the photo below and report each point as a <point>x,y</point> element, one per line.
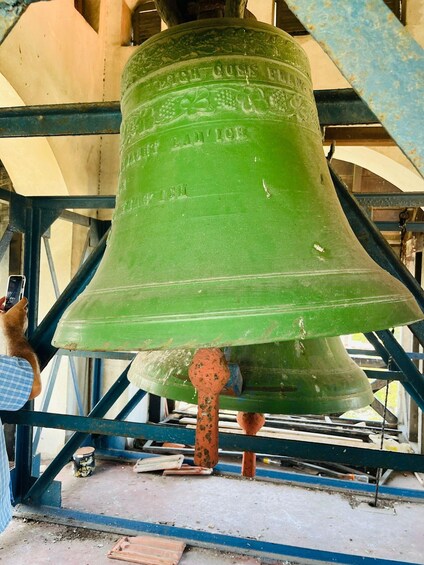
<point>83,462</point>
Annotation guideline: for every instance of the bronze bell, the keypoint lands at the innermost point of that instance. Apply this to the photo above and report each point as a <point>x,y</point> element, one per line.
<point>227,229</point>
<point>315,376</point>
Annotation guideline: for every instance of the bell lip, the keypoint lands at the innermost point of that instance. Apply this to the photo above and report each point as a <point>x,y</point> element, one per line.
<point>298,402</point>
<point>192,332</point>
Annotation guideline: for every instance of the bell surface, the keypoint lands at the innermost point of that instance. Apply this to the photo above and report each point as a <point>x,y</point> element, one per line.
<point>227,229</point>
<point>315,376</point>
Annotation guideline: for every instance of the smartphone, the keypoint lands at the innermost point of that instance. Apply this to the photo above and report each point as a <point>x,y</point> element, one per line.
<point>15,291</point>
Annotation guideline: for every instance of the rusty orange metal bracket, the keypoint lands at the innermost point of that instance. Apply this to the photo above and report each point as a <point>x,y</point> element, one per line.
<point>208,373</point>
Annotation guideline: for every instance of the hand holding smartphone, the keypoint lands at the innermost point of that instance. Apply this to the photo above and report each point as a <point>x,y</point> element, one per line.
<point>15,291</point>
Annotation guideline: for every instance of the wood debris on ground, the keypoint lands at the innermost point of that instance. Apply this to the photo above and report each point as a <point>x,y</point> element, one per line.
<point>148,550</point>
<point>158,463</point>
<point>189,470</point>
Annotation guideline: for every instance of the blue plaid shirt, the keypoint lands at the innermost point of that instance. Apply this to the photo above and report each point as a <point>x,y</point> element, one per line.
<point>16,378</point>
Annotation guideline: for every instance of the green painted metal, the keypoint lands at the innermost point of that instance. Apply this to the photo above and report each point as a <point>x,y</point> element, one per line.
<point>315,376</point>
<point>227,230</point>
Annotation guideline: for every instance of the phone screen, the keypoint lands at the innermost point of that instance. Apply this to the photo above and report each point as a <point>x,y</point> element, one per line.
<point>15,291</point>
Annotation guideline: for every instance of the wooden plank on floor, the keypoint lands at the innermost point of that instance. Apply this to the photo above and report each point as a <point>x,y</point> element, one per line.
<point>148,550</point>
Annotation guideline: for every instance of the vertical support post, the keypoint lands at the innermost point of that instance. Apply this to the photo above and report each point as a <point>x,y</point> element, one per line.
<point>97,384</point>
<point>155,413</point>
<point>23,448</point>
<point>37,221</point>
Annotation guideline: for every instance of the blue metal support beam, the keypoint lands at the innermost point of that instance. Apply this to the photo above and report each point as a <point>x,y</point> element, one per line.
<point>221,542</point>
<point>279,474</point>
<point>335,107</point>
<point>417,227</point>
<point>342,107</point>
<point>390,199</point>
<point>379,58</point>
<point>96,118</point>
<point>66,202</point>
<point>304,450</point>
<point>378,248</point>
<point>395,357</point>
<point>5,240</point>
<point>414,383</point>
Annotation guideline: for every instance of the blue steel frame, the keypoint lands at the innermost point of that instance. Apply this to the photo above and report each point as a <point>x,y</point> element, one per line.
<point>33,216</point>
<point>335,107</point>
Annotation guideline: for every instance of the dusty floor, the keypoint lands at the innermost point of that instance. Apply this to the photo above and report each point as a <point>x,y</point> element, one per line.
<point>260,510</point>
<point>38,543</point>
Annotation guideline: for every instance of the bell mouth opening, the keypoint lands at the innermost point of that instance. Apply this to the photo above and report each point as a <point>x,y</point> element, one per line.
<point>290,385</point>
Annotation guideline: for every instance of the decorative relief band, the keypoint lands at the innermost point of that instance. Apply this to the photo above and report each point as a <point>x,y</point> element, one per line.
<point>204,42</point>
<point>245,71</point>
<point>251,101</point>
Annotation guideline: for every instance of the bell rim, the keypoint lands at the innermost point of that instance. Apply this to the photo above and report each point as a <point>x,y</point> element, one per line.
<point>300,402</point>
<point>192,332</point>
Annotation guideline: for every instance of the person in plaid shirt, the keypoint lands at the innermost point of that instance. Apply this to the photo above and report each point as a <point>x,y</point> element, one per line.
<point>19,382</point>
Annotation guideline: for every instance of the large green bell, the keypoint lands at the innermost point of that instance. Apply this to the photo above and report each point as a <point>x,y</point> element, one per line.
<point>315,376</point>
<point>227,229</point>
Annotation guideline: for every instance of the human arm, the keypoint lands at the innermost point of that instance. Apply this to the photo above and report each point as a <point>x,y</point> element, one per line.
<point>14,323</point>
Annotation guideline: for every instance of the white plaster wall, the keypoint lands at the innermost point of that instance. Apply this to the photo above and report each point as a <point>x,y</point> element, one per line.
<point>390,165</point>
<point>52,56</point>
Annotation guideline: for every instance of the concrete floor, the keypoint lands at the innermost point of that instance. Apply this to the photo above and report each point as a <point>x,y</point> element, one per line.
<point>257,509</point>
<point>37,543</point>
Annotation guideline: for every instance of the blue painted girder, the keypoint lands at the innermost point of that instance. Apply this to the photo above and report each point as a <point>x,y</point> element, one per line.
<point>379,58</point>
<point>215,541</point>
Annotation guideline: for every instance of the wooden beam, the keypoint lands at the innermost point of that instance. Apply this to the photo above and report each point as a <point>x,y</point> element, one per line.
<point>358,135</point>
